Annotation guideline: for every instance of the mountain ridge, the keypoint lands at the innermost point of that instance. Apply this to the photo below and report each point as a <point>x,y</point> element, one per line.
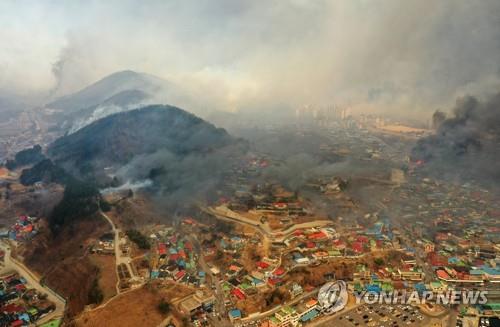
<point>107,87</point>
<point>118,138</point>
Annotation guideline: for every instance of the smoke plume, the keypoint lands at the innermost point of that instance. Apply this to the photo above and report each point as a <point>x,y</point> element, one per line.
<point>466,144</point>
<point>260,55</point>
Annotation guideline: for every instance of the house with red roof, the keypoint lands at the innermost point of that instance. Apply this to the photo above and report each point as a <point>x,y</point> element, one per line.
<point>298,233</point>
<point>17,323</point>
<point>441,274</point>
<point>362,239</point>
<point>310,245</point>
<point>20,288</point>
<point>339,244</point>
<point>280,271</point>
<point>262,265</point>
<point>238,293</point>
<point>437,260</point>
<point>274,281</point>
<point>162,249</point>
<point>174,257</point>
<point>318,236</point>
<point>280,205</point>
<point>357,247</point>
<point>188,246</point>
<point>179,275</point>
<point>12,308</point>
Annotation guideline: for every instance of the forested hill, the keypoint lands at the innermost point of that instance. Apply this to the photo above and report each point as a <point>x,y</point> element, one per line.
<point>118,138</point>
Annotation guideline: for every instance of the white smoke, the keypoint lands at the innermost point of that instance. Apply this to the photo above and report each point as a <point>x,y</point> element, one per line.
<point>262,53</point>
<point>129,185</point>
<point>101,112</point>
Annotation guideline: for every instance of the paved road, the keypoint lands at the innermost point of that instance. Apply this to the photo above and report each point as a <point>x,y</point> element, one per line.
<point>120,257</point>
<point>326,321</point>
<point>278,308</point>
<point>34,282</point>
<point>224,213</point>
<point>219,292</point>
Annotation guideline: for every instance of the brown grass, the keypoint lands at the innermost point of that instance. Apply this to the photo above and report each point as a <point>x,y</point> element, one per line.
<point>135,308</point>
<point>256,303</point>
<point>64,262</point>
<point>173,291</point>
<point>107,274</point>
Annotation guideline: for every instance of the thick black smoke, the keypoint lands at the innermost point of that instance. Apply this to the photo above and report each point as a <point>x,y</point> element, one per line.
<point>466,145</point>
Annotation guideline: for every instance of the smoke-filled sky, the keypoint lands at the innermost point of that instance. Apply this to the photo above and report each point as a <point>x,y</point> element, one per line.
<point>410,56</point>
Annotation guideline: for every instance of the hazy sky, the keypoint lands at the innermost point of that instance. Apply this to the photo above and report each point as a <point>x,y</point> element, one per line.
<point>403,55</point>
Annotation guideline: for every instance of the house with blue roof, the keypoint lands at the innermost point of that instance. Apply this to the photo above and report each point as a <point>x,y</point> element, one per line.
<point>234,314</point>
<point>373,288</point>
<point>24,316</point>
<point>257,282</point>
<point>492,274</point>
<point>309,316</point>
<point>420,288</point>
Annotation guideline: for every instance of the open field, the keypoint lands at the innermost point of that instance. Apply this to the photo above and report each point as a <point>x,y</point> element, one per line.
<point>107,274</point>
<point>134,308</point>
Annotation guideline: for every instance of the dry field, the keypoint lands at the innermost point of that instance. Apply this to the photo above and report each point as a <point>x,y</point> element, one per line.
<point>107,274</point>
<point>134,308</point>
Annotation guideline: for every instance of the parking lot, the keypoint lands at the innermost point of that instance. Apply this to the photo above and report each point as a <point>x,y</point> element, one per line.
<point>489,322</point>
<point>382,315</point>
